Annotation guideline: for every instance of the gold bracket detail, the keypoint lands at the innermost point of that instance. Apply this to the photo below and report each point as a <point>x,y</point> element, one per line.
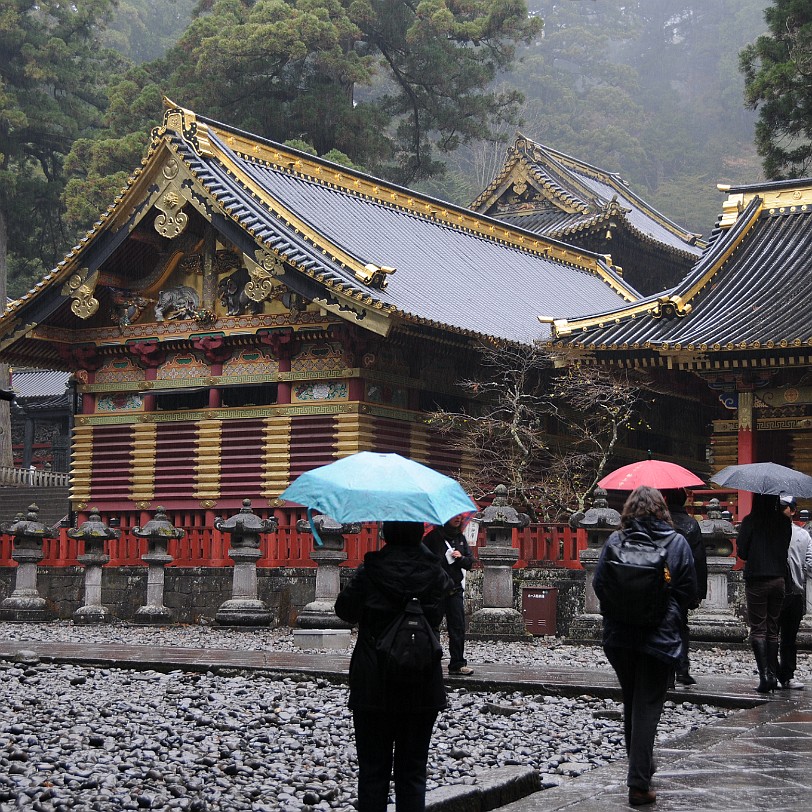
<point>374,276</point>
<point>172,221</point>
<point>262,271</point>
<point>669,307</point>
<point>80,288</point>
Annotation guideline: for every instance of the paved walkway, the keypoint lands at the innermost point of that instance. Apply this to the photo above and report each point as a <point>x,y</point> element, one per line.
<point>759,758</point>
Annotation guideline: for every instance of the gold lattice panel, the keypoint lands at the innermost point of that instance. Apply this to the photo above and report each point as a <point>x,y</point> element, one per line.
<point>142,462</point>
<point>207,459</point>
<point>355,432</point>
<point>276,439</point>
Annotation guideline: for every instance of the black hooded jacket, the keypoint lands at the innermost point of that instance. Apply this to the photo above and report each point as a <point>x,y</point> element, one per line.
<point>377,592</point>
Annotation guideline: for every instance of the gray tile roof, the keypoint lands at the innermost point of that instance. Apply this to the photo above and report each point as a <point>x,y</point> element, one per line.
<point>38,383</point>
<point>446,274</point>
<point>590,190</point>
<point>752,289</point>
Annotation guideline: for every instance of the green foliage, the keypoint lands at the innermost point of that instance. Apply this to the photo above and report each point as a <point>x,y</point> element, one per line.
<point>143,30</point>
<point>649,89</point>
<point>50,94</point>
<point>777,69</point>
<point>387,82</point>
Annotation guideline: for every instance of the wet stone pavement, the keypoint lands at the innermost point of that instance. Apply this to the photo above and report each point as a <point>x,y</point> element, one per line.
<point>755,756</point>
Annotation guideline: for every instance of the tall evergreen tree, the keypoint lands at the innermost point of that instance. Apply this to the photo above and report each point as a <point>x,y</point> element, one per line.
<point>49,93</point>
<point>777,68</point>
<point>51,68</point>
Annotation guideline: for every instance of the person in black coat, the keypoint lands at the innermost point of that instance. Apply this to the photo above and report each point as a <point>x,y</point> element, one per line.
<point>688,526</point>
<point>448,542</point>
<point>389,716</point>
<point>644,657</point>
<point>763,543</point>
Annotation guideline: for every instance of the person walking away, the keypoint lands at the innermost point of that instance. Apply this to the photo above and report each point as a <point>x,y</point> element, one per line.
<point>393,719</point>
<point>688,526</point>
<point>799,568</point>
<point>763,545</point>
<point>644,657</point>
<point>449,543</point>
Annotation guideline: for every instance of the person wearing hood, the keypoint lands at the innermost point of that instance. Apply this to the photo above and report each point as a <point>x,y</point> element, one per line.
<point>645,657</point>
<point>448,542</point>
<point>393,722</point>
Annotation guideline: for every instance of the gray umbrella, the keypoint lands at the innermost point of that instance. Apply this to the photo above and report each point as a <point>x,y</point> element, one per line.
<point>764,477</point>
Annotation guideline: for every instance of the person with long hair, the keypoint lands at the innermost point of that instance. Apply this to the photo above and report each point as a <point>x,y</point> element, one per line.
<point>645,657</point>
<point>763,544</point>
<point>393,719</point>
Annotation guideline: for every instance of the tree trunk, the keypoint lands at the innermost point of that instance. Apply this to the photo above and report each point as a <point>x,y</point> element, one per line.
<point>6,452</point>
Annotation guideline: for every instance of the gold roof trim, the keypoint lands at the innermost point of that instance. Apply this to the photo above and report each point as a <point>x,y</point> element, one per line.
<point>677,305</point>
<point>398,198</point>
<point>781,201</point>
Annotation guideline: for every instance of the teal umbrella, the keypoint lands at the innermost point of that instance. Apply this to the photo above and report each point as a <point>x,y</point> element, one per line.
<point>369,487</point>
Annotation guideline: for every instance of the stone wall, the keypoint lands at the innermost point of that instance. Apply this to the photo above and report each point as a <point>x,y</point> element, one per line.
<point>195,594</point>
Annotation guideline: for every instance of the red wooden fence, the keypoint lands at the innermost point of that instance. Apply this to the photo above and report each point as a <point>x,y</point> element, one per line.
<point>554,545</point>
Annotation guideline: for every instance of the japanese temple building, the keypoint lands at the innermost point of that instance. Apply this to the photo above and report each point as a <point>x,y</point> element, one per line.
<point>739,325</point>
<point>550,193</point>
<point>243,312</point>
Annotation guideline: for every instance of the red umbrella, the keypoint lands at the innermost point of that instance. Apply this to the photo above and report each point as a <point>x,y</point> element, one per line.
<point>654,473</point>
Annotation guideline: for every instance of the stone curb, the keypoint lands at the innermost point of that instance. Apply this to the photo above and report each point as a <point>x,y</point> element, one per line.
<point>494,788</point>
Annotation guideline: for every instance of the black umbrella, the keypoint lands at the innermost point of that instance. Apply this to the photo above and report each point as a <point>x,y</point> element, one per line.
<point>765,477</point>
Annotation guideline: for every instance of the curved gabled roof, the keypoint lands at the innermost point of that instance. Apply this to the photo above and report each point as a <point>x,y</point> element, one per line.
<point>750,291</point>
<point>584,193</point>
<point>358,243</point>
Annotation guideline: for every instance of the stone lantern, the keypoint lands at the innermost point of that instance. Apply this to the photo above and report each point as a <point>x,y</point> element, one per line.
<point>599,522</point>
<point>318,625</point>
<point>94,532</point>
<point>25,602</point>
<point>714,620</point>
<point>158,532</point>
<point>498,617</point>
<point>244,608</point>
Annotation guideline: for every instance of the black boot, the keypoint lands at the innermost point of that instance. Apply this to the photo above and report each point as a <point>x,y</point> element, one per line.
<point>772,664</point>
<point>760,653</point>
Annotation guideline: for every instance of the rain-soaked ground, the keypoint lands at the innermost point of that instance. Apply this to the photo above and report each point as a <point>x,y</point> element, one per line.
<point>757,758</point>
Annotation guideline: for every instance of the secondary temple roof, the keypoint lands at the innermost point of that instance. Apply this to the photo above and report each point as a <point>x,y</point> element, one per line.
<point>748,296</point>
<point>570,196</point>
<point>365,250</point>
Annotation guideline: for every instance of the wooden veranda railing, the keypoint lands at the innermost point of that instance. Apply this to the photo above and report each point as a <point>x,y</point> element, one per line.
<point>21,477</point>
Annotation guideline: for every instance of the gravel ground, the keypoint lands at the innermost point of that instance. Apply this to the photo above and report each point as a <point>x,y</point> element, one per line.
<point>114,739</point>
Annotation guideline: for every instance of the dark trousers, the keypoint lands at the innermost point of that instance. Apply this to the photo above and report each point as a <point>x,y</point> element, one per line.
<point>379,736</point>
<point>765,597</point>
<point>684,665</point>
<point>643,682</point>
<point>455,625</point>
<point>789,621</point>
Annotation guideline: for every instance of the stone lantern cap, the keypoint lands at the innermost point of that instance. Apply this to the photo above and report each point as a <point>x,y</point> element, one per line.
<point>717,531</point>
<point>599,517</point>
<point>246,523</point>
<point>29,526</point>
<point>93,529</point>
<point>500,513</point>
<point>159,528</point>
<point>328,526</point>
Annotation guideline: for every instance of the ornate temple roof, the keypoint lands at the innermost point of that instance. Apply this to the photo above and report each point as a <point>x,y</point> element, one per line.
<point>552,193</point>
<point>365,250</point>
<point>747,301</point>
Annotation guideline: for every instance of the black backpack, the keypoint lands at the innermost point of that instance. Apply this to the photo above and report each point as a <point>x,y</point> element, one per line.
<point>636,585</point>
<point>408,648</point>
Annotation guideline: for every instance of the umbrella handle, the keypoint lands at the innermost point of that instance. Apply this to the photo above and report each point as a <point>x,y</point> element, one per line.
<point>316,536</point>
